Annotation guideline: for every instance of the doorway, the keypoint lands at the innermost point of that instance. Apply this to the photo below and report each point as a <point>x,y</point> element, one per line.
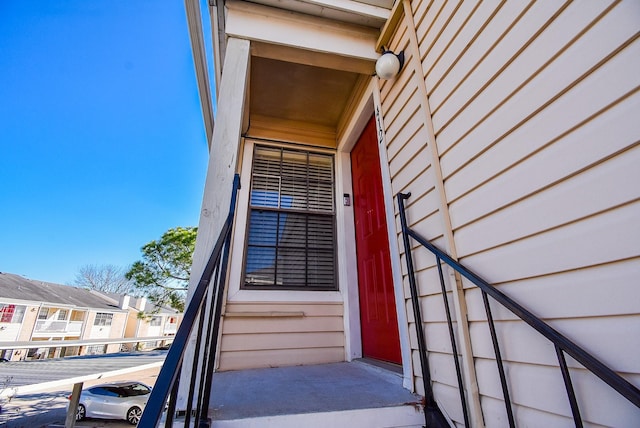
<point>378,318</point>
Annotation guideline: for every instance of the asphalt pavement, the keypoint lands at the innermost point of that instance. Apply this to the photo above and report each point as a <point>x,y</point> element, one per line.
<point>34,375</point>
<point>37,405</point>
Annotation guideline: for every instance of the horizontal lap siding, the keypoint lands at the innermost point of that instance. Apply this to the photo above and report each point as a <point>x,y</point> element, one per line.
<point>521,343</point>
<point>411,170</point>
<point>535,109</point>
<point>280,334</point>
<point>540,388</point>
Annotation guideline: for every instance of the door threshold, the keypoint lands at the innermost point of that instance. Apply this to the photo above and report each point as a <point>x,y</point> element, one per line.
<point>392,367</point>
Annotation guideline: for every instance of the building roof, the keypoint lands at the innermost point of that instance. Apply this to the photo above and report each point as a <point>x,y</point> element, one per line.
<point>136,303</point>
<point>17,287</point>
<point>149,306</point>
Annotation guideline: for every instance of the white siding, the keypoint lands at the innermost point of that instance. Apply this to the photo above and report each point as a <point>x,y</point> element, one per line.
<point>10,332</point>
<point>262,334</point>
<point>411,169</point>
<point>534,110</point>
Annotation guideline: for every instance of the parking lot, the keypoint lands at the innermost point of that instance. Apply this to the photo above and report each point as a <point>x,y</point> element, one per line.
<point>46,408</point>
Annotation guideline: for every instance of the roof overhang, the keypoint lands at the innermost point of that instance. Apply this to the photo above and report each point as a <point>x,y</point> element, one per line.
<point>307,62</point>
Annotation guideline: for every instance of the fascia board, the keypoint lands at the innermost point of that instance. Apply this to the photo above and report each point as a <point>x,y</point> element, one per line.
<point>266,24</point>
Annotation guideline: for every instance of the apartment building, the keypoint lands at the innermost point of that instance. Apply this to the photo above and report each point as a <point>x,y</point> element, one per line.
<point>514,127</point>
<point>37,311</point>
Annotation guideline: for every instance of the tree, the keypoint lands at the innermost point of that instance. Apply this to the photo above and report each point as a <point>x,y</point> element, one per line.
<point>163,273</point>
<point>105,278</point>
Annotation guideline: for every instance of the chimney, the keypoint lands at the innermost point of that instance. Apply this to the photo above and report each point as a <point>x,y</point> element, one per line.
<point>123,302</point>
<point>142,303</point>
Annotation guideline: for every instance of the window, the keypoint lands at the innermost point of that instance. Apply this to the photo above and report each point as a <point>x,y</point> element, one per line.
<point>62,314</point>
<point>43,314</point>
<point>105,391</point>
<point>7,313</point>
<point>96,349</point>
<point>291,223</point>
<point>77,316</point>
<point>103,318</point>
<point>155,321</point>
<point>12,313</point>
<point>132,390</point>
<point>18,314</point>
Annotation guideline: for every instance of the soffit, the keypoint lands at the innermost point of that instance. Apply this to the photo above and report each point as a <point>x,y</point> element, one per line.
<point>298,92</point>
<point>304,71</point>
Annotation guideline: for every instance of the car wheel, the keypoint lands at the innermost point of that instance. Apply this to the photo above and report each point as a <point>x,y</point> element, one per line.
<point>133,415</point>
<point>81,413</point>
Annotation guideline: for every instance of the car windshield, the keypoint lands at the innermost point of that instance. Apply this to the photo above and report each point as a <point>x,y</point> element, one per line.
<point>133,389</point>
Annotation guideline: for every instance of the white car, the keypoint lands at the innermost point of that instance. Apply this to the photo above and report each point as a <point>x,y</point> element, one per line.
<point>117,400</point>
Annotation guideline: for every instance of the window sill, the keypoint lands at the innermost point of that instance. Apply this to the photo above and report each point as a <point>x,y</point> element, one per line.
<point>270,314</point>
<point>285,296</point>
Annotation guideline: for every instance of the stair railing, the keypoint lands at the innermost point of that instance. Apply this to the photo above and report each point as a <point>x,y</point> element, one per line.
<point>561,343</point>
<point>202,316</point>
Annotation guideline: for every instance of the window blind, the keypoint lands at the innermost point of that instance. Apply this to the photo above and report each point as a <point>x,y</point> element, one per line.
<point>291,226</point>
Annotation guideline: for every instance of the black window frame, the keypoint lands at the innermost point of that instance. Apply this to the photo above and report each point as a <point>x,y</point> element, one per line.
<point>306,213</point>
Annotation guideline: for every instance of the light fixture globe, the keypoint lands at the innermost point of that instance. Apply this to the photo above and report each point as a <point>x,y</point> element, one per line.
<point>389,64</point>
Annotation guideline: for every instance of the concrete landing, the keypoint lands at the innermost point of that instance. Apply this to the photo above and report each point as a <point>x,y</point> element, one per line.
<point>356,394</point>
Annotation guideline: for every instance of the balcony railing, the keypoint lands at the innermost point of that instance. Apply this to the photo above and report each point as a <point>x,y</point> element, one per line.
<point>170,328</point>
<point>68,327</point>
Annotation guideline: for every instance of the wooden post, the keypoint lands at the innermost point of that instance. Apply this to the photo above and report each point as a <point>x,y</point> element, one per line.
<point>223,160</point>
<point>70,422</point>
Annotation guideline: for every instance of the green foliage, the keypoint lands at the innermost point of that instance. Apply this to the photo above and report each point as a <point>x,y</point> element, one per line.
<point>163,273</point>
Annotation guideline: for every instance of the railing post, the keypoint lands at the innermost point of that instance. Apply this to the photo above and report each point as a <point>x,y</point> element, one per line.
<point>496,350</point>
<point>206,333</point>
<point>432,414</point>
<point>194,367</point>
<point>577,419</point>
<point>454,347</point>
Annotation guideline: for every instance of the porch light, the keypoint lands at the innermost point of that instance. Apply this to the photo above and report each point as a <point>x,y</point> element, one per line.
<point>389,64</point>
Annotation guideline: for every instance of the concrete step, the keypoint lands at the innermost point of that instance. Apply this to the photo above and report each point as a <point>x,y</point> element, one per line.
<point>383,417</point>
<point>329,395</point>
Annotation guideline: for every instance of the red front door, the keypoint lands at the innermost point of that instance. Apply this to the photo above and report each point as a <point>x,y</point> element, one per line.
<point>378,317</point>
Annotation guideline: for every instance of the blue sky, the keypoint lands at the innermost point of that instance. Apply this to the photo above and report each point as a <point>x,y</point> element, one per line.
<point>102,145</point>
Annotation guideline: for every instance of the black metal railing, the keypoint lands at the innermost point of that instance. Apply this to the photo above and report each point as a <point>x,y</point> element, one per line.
<point>562,344</point>
<point>201,319</point>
